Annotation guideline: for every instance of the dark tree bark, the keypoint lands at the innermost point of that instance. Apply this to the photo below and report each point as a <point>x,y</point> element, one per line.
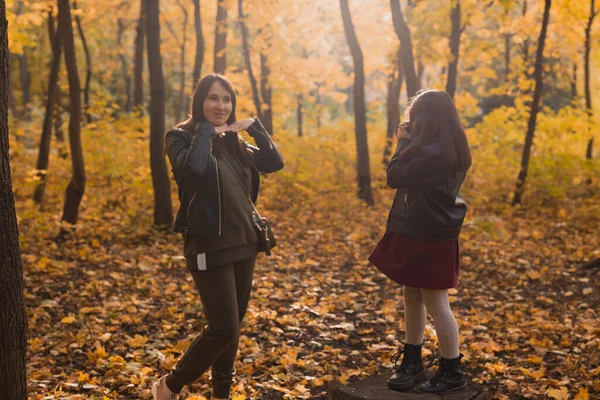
<point>535,106</point>
<point>220,62</point>
<point>247,59</point>
<point>182,77</point>
<point>299,113</point>
<point>393,106</point>
<point>77,184</point>
<point>266,94</point>
<point>163,211</point>
<point>25,89</point>
<point>507,48</point>
<point>124,65</point>
<point>408,61</point>
<point>525,46</point>
<point>13,320</point>
<point>454,48</point>
<point>63,151</point>
<point>360,118</point>
<point>88,66</point>
<point>199,44</point>
<point>12,105</point>
<point>44,151</point>
<point>586,66</point>
<point>138,69</point>
<point>574,83</point>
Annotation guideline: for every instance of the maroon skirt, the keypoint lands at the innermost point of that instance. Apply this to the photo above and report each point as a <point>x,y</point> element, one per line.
<point>419,263</point>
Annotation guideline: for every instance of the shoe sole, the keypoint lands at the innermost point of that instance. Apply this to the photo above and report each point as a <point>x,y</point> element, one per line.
<point>401,387</point>
<point>154,394</point>
<point>456,389</point>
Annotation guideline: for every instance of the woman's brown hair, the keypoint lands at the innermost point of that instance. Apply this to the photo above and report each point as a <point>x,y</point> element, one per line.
<point>433,118</point>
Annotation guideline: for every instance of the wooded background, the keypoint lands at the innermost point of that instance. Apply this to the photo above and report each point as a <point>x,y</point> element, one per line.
<point>92,87</point>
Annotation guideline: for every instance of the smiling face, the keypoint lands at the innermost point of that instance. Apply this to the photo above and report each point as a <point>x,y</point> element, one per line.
<point>217,105</point>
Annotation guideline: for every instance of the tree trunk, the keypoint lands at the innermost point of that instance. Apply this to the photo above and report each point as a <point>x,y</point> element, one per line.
<point>266,94</point>
<point>44,151</point>
<point>138,69</point>
<point>12,105</point>
<point>88,67</point>
<point>586,66</point>
<point>163,211</point>
<point>24,75</point>
<point>247,59</point>
<point>199,44</point>
<point>76,186</point>
<point>124,65</point>
<point>525,46</point>
<point>318,107</point>
<point>299,117</point>
<point>408,61</point>
<point>454,48</point>
<point>535,106</point>
<point>220,62</point>
<point>360,119</point>
<point>182,80</point>
<point>507,48</point>
<point>13,335</point>
<point>393,106</point>
<point>574,83</point>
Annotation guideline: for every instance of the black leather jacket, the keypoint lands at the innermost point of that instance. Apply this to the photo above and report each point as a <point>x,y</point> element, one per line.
<point>197,174</point>
<point>427,204</point>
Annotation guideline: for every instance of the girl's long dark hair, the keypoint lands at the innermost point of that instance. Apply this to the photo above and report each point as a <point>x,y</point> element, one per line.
<point>433,118</point>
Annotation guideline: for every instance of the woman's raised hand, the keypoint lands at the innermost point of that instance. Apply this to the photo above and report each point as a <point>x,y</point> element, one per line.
<point>242,125</point>
<point>221,129</point>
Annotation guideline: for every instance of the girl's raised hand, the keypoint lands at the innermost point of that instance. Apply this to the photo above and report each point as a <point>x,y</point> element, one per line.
<point>239,126</point>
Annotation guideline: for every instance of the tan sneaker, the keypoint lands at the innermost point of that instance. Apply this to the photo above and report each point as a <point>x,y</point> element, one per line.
<point>160,391</point>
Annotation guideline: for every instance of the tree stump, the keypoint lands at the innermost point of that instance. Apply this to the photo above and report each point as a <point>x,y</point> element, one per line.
<point>375,388</point>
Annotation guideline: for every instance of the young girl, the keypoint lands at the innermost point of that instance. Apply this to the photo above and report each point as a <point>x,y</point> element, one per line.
<point>420,247</point>
<point>216,173</point>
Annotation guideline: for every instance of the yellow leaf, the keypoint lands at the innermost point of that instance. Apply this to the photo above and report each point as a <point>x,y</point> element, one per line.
<point>587,291</point>
<point>583,394</point>
<point>562,394</point>
<point>239,397</point>
<point>534,275</point>
<point>68,320</point>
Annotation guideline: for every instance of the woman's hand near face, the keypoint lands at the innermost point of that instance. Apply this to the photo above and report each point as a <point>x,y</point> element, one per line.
<point>219,130</point>
<point>401,133</point>
<point>239,126</point>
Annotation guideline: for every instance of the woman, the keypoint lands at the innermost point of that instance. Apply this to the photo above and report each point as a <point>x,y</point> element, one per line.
<point>420,247</point>
<point>218,181</point>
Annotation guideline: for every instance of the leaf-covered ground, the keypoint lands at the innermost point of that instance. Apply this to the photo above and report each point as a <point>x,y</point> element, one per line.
<point>112,309</point>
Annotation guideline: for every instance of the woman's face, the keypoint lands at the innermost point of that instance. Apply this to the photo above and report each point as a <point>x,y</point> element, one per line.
<point>217,105</point>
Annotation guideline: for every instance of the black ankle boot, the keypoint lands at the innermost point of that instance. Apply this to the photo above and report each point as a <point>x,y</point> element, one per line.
<point>449,377</point>
<point>410,371</point>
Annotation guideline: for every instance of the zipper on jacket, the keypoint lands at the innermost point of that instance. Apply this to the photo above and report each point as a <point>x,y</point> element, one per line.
<point>406,203</point>
<point>219,195</point>
<point>190,205</point>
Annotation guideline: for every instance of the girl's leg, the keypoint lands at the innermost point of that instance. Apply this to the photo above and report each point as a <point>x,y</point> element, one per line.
<point>217,288</point>
<point>222,369</point>
<point>438,305</point>
<point>415,315</point>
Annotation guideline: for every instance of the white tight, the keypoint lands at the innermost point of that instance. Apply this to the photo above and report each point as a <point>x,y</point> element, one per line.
<point>417,302</point>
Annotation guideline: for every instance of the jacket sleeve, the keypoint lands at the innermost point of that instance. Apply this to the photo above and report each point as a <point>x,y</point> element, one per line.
<point>193,158</point>
<point>420,171</point>
<point>266,156</point>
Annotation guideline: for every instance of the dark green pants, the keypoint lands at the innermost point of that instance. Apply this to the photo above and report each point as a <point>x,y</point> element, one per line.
<point>224,292</point>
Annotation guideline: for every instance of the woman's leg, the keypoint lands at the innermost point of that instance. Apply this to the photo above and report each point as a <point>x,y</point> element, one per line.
<point>223,368</point>
<point>438,305</point>
<point>415,315</point>
<point>217,288</point>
